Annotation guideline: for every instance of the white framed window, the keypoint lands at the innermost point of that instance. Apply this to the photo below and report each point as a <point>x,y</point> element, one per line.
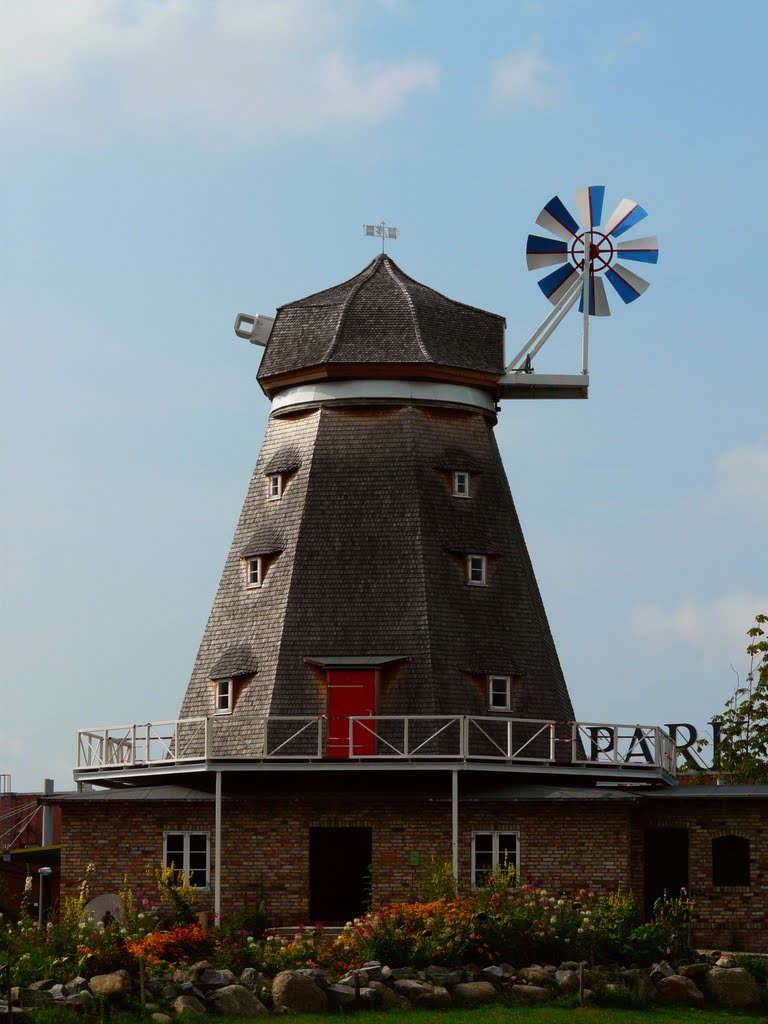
<point>188,852</point>
<point>499,693</point>
<point>275,486</point>
<point>224,696</point>
<point>253,572</point>
<point>476,566</point>
<point>491,849</point>
<point>460,483</point>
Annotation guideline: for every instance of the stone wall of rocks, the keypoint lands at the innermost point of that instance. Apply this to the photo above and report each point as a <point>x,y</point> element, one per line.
<point>713,980</point>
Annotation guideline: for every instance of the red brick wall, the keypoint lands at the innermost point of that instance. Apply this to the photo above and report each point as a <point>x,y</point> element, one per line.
<point>563,845</point>
<point>725,917</point>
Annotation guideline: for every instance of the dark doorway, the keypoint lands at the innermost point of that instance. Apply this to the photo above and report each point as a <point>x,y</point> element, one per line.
<point>666,864</point>
<point>351,694</point>
<point>339,873</point>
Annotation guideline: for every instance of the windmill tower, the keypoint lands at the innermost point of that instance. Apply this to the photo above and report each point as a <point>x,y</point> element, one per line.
<point>378,631</point>
<point>378,567</point>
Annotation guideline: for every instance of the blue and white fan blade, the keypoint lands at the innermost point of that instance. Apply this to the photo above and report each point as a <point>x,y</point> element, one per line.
<point>644,250</point>
<point>625,216</point>
<point>598,300</point>
<point>556,284</point>
<point>555,218</point>
<point>589,202</point>
<point>544,252</point>
<point>628,285</point>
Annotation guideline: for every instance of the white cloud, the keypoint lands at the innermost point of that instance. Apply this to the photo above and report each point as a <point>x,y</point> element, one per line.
<point>522,79</point>
<point>741,480</point>
<point>236,69</point>
<point>710,634</point>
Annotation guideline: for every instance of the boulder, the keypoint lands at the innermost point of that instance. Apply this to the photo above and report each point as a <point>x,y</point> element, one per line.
<point>399,973</point>
<point>409,988</point>
<point>677,989</point>
<point>161,1018</point>
<point>22,996</point>
<point>443,976</point>
<point>640,981</point>
<point>168,993</point>
<point>77,984</point>
<point>567,980</point>
<point>660,970</point>
<point>80,998</point>
<point>252,979</point>
<point>370,998</point>
<point>60,991</point>
<point>188,1004</point>
<point>208,979</point>
<point>294,993</point>
<point>694,970</point>
<point>389,999</point>
<point>474,993</point>
<point>114,984</point>
<point>235,999</point>
<point>340,996</point>
<point>535,976</point>
<point>529,993</point>
<point>44,986</point>
<point>732,988</point>
<point>374,969</point>
<point>319,978</point>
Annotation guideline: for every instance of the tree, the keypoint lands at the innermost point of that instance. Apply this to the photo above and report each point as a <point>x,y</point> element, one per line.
<point>742,749</point>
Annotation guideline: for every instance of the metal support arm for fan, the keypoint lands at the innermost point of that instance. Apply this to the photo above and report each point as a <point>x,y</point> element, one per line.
<point>521,381</point>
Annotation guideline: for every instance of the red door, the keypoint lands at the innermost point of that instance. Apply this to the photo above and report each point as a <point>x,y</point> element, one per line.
<point>350,694</point>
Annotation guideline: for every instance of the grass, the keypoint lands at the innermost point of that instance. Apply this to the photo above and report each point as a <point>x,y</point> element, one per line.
<point>498,1013</point>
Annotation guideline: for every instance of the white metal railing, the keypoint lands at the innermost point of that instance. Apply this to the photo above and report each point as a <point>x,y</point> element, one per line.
<point>378,738</point>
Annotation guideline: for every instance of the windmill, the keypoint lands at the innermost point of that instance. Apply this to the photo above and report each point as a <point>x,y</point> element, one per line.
<point>585,253</point>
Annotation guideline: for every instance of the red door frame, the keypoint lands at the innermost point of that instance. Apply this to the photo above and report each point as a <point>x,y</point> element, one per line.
<point>351,692</point>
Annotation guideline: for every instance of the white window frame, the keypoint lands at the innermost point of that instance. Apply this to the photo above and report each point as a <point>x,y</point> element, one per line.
<point>477,570</point>
<point>504,690</point>
<point>460,483</point>
<point>254,572</point>
<point>186,855</point>
<point>223,696</point>
<point>479,873</point>
<point>275,486</point>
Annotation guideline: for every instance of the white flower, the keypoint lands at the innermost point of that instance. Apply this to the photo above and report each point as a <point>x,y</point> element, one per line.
<point>249,939</point>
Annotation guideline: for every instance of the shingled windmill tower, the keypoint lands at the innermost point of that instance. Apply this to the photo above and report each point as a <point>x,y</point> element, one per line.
<point>377,681</point>
<point>378,567</point>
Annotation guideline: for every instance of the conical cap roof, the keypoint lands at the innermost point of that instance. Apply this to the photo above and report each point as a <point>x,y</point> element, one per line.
<point>381,319</point>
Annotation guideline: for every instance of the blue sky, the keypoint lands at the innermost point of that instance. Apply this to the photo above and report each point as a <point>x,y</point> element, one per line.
<point>167,164</point>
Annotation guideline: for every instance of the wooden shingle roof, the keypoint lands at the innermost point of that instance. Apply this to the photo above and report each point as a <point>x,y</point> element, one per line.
<point>381,317</point>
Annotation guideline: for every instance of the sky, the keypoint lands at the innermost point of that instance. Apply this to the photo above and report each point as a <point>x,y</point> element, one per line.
<point>167,164</point>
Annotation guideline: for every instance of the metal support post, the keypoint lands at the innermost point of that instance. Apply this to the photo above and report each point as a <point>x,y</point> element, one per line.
<point>455,826</point>
<point>217,856</point>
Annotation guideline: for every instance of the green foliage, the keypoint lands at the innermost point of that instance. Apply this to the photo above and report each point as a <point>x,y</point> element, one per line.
<point>176,891</point>
<point>436,881</point>
<point>672,916</point>
<point>742,754</point>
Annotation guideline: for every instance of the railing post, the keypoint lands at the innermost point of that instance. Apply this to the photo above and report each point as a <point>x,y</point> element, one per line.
<point>510,740</point>
<point>406,740</point>
<point>148,752</point>
<point>320,720</point>
<point>464,737</point>
<point>574,741</point>
<point>551,741</point>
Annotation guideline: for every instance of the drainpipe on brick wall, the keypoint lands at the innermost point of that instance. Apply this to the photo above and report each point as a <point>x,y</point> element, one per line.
<point>217,856</point>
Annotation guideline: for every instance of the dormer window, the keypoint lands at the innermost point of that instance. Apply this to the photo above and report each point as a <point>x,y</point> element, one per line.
<point>499,693</point>
<point>224,694</point>
<point>476,570</point>
<point>460,483</point>
<point>275,486</point>
<point>253,572</point>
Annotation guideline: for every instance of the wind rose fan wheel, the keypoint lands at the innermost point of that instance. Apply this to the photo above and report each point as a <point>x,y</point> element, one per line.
<point>605,249</point>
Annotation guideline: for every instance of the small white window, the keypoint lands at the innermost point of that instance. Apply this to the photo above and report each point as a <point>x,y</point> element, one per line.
<point>476,570</point>
<point>253,574</point>
<point>499,693</point>
<point>223,696</point>
<point>461,484</point>
<point>188,852</point>
<point>275,486</point>
<point>491,850</point>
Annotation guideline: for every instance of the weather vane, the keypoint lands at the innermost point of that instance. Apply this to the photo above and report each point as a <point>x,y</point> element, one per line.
<point>381,230</point>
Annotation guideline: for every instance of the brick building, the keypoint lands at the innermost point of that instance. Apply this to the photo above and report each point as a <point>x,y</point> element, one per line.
<point>377,682</point>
